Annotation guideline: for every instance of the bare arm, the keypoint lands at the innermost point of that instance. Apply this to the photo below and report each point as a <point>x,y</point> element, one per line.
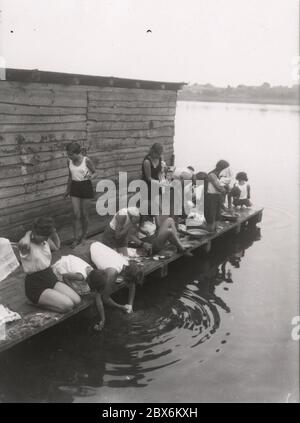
<point>24,244</point>
<point>54,241</point>
<point>90,165</point>
<point>67,193</point>
<point>120,229</point>
<point>100,309</point>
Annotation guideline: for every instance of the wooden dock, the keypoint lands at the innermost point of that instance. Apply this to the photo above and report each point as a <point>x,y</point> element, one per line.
<point>35,320</point>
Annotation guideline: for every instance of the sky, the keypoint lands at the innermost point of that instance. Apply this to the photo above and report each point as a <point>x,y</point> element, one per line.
<point>205,41</point>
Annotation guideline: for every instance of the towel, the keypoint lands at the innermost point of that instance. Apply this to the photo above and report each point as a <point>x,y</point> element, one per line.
<point>6,315</point>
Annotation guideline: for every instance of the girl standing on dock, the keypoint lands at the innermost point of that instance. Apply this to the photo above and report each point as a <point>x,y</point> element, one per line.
<point>152,170</point>
<point>80,189</point>
<point>213,199</point>
<point>41,284</point>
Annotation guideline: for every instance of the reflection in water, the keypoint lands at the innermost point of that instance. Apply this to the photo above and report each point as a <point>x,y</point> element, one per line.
<point>173,318</point>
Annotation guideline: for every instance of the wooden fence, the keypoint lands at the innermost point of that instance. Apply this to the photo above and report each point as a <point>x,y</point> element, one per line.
<point>116,127</point>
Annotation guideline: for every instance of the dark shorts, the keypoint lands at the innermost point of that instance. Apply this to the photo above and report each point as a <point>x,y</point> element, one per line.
<point>82,189</point>
<point>109,239</point>
<point>36,283</point>
<point>212,207</point>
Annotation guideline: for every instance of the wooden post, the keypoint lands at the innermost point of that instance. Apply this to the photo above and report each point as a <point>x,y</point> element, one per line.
<point>163,271</point>
<point>207,247</point>
<point>238,228</point>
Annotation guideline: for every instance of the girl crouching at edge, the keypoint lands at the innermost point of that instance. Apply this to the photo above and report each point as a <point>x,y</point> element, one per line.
<point>41,285</point>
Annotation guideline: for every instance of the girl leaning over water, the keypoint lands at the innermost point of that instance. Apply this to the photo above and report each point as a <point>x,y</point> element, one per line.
<point>80,189</point>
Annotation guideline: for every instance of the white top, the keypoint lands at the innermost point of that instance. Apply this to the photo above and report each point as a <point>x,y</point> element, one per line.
<point>244,192</point>
<point>38,258</point>
<point>70,264</point>
<point>105,257</point>
<point>123,212</point>
<point>225,176</point>
<point>81,172</point>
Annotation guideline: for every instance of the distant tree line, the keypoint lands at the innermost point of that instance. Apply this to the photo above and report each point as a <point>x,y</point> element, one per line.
<point>264,93</point>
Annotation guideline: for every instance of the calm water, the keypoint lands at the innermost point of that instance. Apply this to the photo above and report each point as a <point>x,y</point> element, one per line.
<point>218,328</point>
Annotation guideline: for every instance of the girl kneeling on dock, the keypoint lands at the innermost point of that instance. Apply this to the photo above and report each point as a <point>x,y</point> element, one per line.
<point>80,189</point>
<point>41,285</point>
<point>241,191</point>
<point>102,281</point>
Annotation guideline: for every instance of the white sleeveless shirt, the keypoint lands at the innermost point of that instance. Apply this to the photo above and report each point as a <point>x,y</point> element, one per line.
<point>244,191</point>
<point>81,172</point>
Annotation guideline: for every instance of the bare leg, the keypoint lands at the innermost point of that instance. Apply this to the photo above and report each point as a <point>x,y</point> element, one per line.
<point>55,301</point>
<point>168,233</point>
<point>76,221</point>
<point>68,292</point>
<point>85,204</point>
<point>131,296</point>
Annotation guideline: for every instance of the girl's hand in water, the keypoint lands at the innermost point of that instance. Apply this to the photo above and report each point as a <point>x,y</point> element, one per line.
<point>147,247</point>
<point>66,194</point>
<point>99,326</point>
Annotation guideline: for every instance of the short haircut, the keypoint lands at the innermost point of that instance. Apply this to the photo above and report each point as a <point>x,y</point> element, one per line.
<point>241,176</point>
<point>133,274</point>
<point>157,148</point>
<point>43,226</point>
<point>73,147</point>
<point>191,168</point>
<point>221,165</point>
<point>97,280</point>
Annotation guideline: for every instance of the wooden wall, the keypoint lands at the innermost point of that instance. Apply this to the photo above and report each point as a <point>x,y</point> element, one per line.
<point>116,126</point>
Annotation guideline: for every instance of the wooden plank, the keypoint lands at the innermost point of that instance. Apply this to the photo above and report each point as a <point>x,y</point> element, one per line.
<point>132,94</point>
<point>132,103</point>
<point>9,119</point>
<point>105,117</point>
<point>20,199</point>
<point>37,97</point>
<point>32,187</point>
<point>44,137</point>
<point>32,148</point>
<point>27,169</point>
<point>33,178</point>
<point>154,111</point>
<point>33,159</point>
<point>28,110</point>
<point>58,208</point>
<point>121,126</point>
<point>111,144</point>
<point>45,127</point>
<point>151,133</point>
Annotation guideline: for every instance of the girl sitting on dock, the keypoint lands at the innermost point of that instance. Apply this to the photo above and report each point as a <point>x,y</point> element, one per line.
<point>41,284</point>
<point>80,189</point>
<point>125,226</point>
<point>241,191</point>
